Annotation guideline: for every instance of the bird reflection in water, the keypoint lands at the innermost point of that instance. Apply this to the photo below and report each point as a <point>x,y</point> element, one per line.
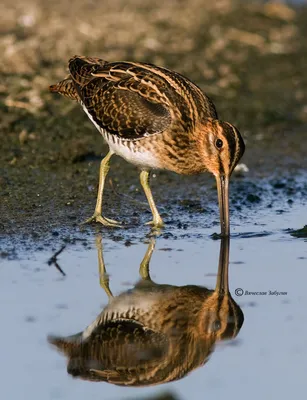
<point>153,333</point>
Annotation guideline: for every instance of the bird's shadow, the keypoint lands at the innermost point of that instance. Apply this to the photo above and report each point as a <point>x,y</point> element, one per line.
<point>152,333</point>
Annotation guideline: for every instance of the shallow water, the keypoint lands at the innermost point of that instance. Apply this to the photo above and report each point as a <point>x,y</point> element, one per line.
<point>51,161</point>
<point>266,360</point>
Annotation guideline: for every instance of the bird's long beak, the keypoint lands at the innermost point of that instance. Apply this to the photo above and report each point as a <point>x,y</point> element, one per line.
<point>222,285</point>
<point>223,194</point>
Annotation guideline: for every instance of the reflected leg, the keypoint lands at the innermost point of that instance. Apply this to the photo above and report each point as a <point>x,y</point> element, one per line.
<point>144,266</point>
<point>103,276</point>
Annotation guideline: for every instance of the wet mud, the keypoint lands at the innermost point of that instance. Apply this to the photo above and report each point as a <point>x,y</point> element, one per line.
<point>248,57</point>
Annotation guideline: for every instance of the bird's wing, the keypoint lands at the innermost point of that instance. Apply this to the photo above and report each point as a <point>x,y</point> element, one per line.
<point>121,99</point>
<point>120,352</point>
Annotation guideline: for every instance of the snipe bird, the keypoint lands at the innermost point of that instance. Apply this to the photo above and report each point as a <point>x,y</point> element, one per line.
<point>153,333</point>
<point>154,118</point>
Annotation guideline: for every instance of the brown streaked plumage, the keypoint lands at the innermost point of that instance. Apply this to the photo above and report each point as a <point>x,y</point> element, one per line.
<point>154,118</point>
<point>153,333</point>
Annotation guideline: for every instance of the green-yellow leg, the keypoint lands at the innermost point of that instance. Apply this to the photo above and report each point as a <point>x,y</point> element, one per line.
<point>97,216</point>
<point>157,220</point>
<point>144,267</point>
<point>103,276</point>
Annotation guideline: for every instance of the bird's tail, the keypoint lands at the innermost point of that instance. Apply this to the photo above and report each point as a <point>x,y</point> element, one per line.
<point>65,88</point>
<point>66,344</point>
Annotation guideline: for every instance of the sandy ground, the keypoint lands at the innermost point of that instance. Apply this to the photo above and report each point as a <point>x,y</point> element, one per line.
<point>248,56</point>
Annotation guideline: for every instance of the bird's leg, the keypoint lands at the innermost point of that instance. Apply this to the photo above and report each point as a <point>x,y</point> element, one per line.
<point>157,220</point>
<point>103,276</point>
<point>97,216</point>
<point>144,267</point>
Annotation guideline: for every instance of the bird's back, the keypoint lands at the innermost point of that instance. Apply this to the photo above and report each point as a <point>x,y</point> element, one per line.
<point>90,77</point>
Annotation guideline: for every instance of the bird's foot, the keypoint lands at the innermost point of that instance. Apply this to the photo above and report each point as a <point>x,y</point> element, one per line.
<point>156,224</point>
<point>103,220</point>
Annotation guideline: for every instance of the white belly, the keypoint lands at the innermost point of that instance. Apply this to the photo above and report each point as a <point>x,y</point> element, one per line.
<point>131,152</point>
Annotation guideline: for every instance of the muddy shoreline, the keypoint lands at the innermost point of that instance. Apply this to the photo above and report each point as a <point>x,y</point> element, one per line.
<point>255,73</point>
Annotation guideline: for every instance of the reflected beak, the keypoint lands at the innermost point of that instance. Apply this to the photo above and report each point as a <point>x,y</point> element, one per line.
<point>222,285</point>
<point>223,195</point>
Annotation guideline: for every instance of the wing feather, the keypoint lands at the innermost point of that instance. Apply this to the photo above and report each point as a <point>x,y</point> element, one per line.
<point>118,101</point>
<point>118,351</point>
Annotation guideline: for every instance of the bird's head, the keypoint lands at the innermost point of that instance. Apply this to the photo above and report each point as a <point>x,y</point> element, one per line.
<point>223,147</point>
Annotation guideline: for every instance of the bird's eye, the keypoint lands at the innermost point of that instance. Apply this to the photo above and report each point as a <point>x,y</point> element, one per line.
<point>216,326</point>
<point>219,143</point>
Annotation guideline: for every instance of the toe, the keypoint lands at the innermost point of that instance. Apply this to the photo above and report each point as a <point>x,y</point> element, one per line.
<point>89,220</point>
<point>112,221</point>
<point>102,220</point>
<point>155,224</point>
<point>108,222</point>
